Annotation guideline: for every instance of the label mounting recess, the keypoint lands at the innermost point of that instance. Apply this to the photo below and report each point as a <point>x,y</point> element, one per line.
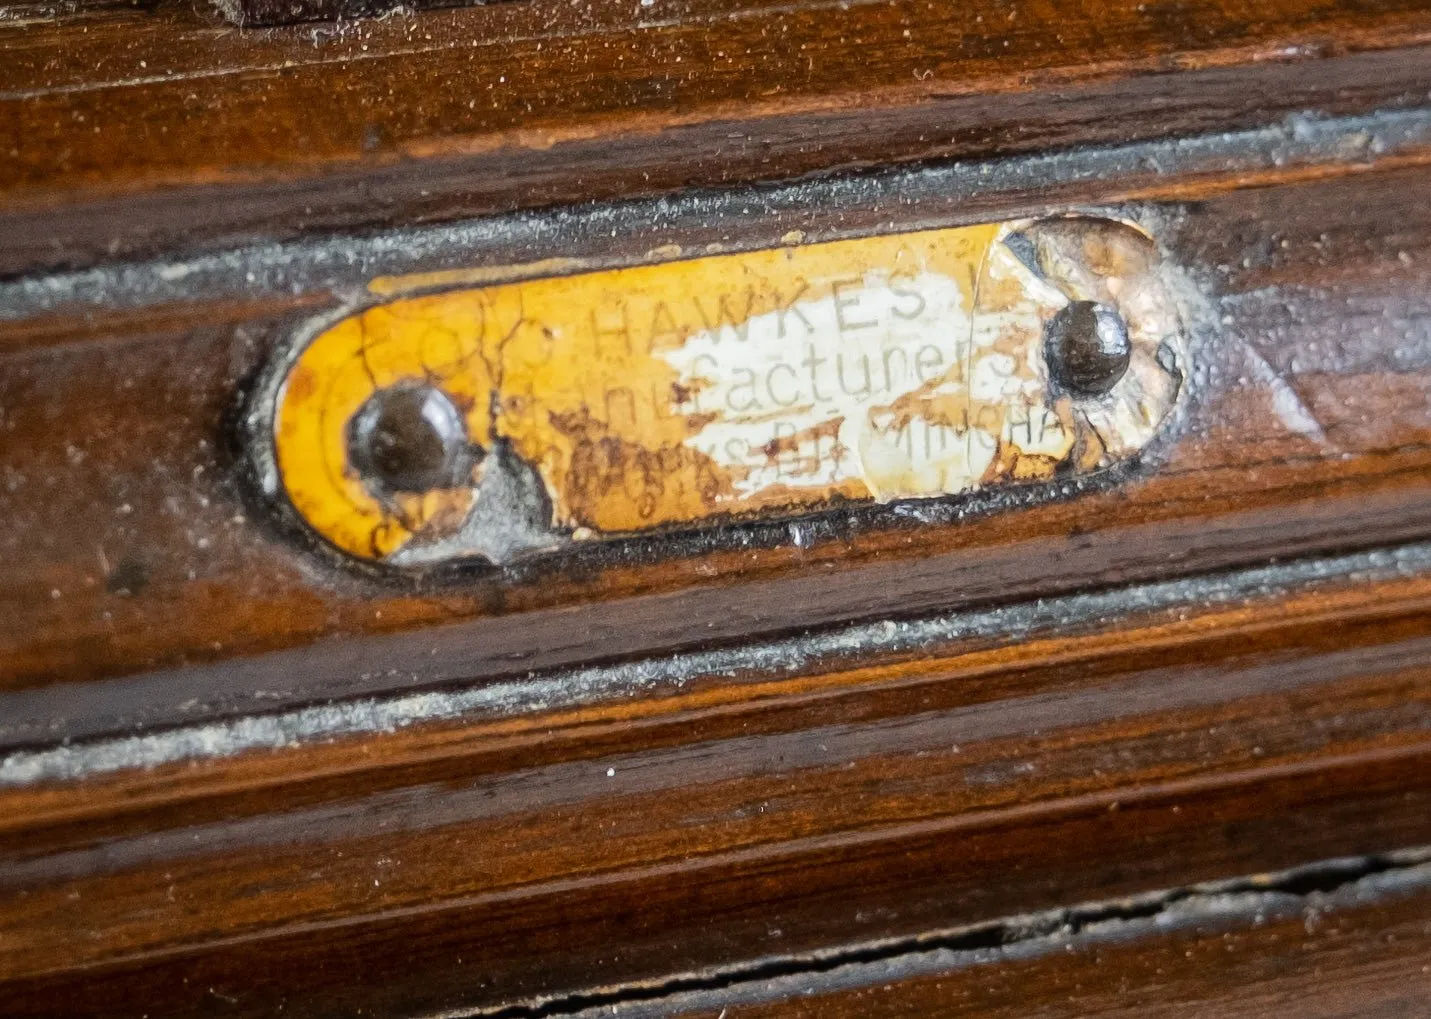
<point>499,420</point>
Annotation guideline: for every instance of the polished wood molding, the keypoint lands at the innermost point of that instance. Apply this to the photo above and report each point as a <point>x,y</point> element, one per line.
<point>1150,743</point>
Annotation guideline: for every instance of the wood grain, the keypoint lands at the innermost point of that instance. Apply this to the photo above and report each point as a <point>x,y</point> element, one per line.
<point>242,777</point>
<point>1355,949</point>
<point>138,130</point>
<point>467,865</point>
<point>1308,437</point>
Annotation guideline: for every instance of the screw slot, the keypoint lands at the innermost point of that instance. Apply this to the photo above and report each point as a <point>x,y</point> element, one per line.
<point>1087,348</point>
<point>411,438</point>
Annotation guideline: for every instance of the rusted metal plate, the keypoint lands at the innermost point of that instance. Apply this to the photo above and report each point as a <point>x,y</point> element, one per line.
<point>494,420</point>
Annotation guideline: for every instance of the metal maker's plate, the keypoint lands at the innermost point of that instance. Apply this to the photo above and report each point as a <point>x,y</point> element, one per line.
<point>768,383</point>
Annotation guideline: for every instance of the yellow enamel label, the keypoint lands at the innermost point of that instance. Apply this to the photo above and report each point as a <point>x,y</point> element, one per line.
<point>771,382</point>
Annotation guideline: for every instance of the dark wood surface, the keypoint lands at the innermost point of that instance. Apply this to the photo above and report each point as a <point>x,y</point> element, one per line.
<point>1357,948</point>
<point>476,864</point>
<point>265,13</point>
<point>240,777</point>
<point>153,127</point>
<point>1307,435</point>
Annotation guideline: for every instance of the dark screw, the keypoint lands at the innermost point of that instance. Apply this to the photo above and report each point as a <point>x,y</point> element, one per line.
<point>1086,345</point>
<point>411,438</point>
